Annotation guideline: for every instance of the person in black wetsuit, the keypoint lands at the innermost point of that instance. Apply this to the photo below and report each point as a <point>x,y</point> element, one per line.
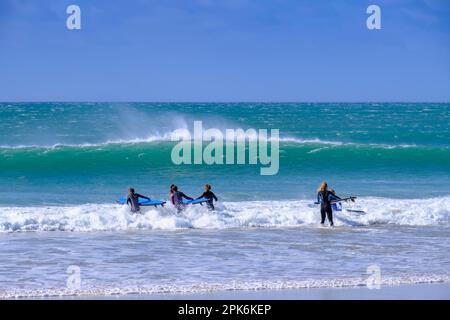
<point>133,200</point>
<point>176,197</point>
<point>171,191</point>
<point>208,194</point>
<point>324,197</point>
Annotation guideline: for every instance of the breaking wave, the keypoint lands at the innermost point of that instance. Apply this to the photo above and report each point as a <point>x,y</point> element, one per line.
<point>251,214</point>
<point>173,136</point>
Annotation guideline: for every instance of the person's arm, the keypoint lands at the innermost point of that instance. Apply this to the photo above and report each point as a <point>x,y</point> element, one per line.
<point>214,196</point>
<point>332,197</point>
<point>186,197</point>
<point>318,197</point>
<point>202,196</point>
<point>171,199</point>
<point>128,200</point>
<point>143,197</point>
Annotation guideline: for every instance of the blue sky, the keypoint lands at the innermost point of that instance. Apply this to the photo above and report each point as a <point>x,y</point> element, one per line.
<point>225,50</point>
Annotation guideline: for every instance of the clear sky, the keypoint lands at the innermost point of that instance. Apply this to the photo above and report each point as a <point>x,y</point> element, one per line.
<point>225,50</point>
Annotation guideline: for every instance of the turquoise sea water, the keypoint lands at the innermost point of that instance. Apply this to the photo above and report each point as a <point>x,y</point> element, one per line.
<point>74,153</point>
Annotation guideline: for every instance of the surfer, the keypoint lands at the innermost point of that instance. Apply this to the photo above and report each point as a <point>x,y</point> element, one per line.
<point>324,197</point>
<point>133,200</point>
<point>176,197</point>
<point>208,194</point>
<point>171,190</point>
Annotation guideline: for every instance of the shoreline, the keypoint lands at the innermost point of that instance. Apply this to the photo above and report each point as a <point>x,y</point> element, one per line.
<point>422,291</point>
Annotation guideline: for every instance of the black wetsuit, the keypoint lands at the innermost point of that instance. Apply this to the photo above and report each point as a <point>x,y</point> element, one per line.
<point>325,198</point>
<point>210,196</point>
<point>133,200</point>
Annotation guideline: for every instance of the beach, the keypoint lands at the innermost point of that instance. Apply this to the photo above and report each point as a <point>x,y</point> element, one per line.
<point>435,291</point>
<point>246,262</point>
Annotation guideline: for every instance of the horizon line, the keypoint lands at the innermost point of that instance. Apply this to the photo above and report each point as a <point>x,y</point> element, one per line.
<point>215,102</point>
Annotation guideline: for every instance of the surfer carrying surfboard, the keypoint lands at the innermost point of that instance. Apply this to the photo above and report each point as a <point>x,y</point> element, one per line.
<point>176,197</point>
<point>133,200</point>
<point>325,198</point>
<point>208,194</point>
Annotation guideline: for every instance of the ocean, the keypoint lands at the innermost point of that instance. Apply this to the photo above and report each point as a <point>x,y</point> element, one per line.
<point>63,165</point>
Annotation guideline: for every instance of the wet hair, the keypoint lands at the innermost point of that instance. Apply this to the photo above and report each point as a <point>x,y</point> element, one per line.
<point>323,187</point>
<point>131,190</point>
<point>208,187</point>
<point>173,188</point>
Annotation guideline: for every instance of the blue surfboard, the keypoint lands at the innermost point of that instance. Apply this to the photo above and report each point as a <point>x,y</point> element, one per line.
<point>143,202</point>
<point>196,201</point>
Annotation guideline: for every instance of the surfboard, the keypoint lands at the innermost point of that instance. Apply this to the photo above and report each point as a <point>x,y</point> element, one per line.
<point>313,205</point>
<point>195,201</point>
<point>343,199</point>
<point>355,211</point>
<point>143,202</point>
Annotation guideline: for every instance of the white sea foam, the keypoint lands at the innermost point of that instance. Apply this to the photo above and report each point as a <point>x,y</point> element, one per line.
<point>110,217</point>
<point>168,136</point>
<point>207,287</point>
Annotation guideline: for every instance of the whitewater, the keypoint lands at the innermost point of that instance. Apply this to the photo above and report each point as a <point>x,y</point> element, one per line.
<point>248,214</point>
<point>251,245</point>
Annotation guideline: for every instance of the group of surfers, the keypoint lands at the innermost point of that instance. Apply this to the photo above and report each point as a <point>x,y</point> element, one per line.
<point>327,199</point>
<point>176,198</point>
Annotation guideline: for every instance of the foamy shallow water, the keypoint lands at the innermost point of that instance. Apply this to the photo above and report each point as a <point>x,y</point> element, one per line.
<point>149,261</point>
<point>248,214</point>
